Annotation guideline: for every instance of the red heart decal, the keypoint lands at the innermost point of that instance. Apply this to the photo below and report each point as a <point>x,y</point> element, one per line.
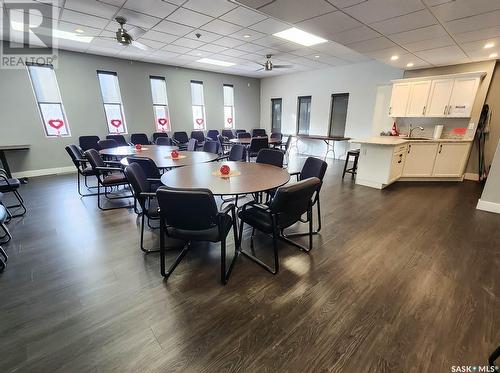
<point>162,121</point>
<point>199,121</point>
<point>56,123</point>
<point>116,122</point>
<point>230,120</point>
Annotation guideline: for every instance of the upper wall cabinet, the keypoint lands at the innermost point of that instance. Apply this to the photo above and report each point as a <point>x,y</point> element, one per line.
<point>443,96</point>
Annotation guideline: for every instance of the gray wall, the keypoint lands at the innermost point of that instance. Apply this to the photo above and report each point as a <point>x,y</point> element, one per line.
<point>76,74</point>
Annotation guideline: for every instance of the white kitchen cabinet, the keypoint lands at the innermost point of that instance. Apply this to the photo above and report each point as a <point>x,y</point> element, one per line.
<point>419,95</point>
<point>420,159</point>
<point>450,159</point>
<point>439,97</point>
<point>398,161</point>
<point>399,99</point>
<point>462,97</point>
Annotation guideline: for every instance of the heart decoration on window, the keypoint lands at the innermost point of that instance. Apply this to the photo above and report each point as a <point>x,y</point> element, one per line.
<point>230,120</point>
<point>199,121</point>
<point>162,121</point>
<point>116,122</point>
<point>57,125</point>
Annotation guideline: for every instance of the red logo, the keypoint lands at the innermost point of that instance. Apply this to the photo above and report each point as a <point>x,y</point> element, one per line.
<point>56,123</point>
<point>224,169</point>
<point>199,121</point>
<point>174,154</point>
<point>230,120</point>
<point>116,122</point>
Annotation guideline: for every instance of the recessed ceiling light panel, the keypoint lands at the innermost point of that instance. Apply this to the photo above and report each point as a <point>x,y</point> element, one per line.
<point>300,37</point>
<point>216,62</point>
<point>410,64</point>
<point>494,55</point>
<point>489,45</point>
<point>394,58</point>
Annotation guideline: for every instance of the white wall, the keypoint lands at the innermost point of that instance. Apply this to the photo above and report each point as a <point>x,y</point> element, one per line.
<point>359,80</point>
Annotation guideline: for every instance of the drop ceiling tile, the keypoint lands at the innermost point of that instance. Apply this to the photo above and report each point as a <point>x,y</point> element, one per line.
<point>464,37</point>
<point>117,3</point>
<point>214,8</point>
<point>248,47</point>
<point>254,57</point>
<point>435,2</point>
<point>83,19</point>
<point>438,42</point>
<point>270,26</point>
<point>163,54</point>
<point>92,7</point>
<point>175,49</point>
<point>151,43</point>
<point>228,42</point>
<point>159,36</point>
<point>328,24</point>
<point>187,58</point>
<point>188,43</point>
<point>138,19</point>
<point>378,10</point>
<point>173,28</point>
<point>296,11</point>
<point>333,48</point>
<point>221,27</point>
<point>441,56</point>
<point>412,21</point>
<point>233,53</point>
<point>482,54</point>
<point>354,35</point>
<point>424,33</point>
<point>105,43</point>
<point>188,17</point>
<point>101,51</point>
<point>243,16</point>
<point>248,35</point>
<point>371,45</point>
<point>354,57</point>
<point>464,8</point>
<point>199,53</point>
<point>386,54</point>
<point>478,45</point>
<point>287,47</point>
<point>491,19</point>
<point>212,48</point>
<point>341,4</point>
<point>304,52</point>
<point>326,59</point>
<point>269,41</point>
<point>176,2</point>
<point>406,59</point>
<point>206,36</point>
<point>71,27</point>
<point>157,8</point>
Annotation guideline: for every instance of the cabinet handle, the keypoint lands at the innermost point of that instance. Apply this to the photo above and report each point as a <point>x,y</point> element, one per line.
<point>409,148</point>
<point>449,110</point>
<point>445,108</point>
<point>440,148</point>
<point>423,111</point>
<point>390,110</point>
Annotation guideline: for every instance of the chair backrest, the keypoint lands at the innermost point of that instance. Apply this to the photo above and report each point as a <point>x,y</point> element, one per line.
<point>138,180</point>
<point>288,142</point>
<point>94,159</point>
<point>273,157</point>
<point>237,153</point>
<point>293,200</point>
<point>313,167</point>
<point>181,137</point>
<point>244,135</point>
<point>211,147</point>
<point>276,135</point>
<point>212,134</point>
<point>164,141</point>
<point>228,133</point>
<point>88,142</point>
<point>120,139</point>
<point>190,209</point>
<point>192,145</point>
<point>139,138</point>
<point>258,143</point>
<point>75,153</point>
<point>106,144</point>
<point>198,135</point>
<point>157,135</point>
<point>258,132</point>
<point>222,140</point>
<point>239,131</point>
<point>148,166</point>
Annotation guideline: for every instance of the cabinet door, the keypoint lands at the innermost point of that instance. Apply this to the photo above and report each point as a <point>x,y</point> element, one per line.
<point>462,97</point>
<point>420,159</point>
<point>399,99</point>
<point>398,160</point>
<point>450,159</point>
<point>439,98</point>
<point>418,98</point>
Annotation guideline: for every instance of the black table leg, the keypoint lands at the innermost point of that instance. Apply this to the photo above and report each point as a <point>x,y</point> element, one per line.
<point>5,164</point>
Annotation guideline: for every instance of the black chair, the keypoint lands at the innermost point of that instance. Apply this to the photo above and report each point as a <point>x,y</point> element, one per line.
<point>82,169</point>
<point>199,136</point>
<point>164,141</point>
<point>277,135</point>
<point>88,142</point>
<point>144,189</point>
<point>239,131</point>
<point>212,134</point>
<point>243,135</point>
<point>354,169</point>
<point>3,218</point>
<point>211,147</point>
<point>192,145</point>
<point>149,168</point>
<point>285,147</point>
<point>237,153</point>
<point>259,132</point>
<point>224,144</point>
<point>285,209</point>
<point>191,215</point>
<point>229,134</point>
<point>181,139</point>
<point>120,139</point>
<point>158,135</point>
<point>107,144</point>
<point>12,185</point>
<point>256,145</point>
<point>109,174</point>
<point>273,157</point>
<point>139,138</point>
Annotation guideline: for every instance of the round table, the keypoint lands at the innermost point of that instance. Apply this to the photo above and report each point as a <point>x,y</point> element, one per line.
<point>248,140</point>
<point>149,151</point>
<point>253,178</point>
<point>166,161</point>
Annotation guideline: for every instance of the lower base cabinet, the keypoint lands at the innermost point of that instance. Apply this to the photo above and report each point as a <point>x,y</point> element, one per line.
<point>450,159</point>
<point>420,159</point>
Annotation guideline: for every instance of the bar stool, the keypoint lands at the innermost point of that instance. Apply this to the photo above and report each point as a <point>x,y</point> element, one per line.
<point>351,153</point>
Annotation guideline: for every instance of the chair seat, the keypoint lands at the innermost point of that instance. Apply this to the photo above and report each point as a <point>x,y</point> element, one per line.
<point>153,209</point>
<point>88,171</point>
<point>3,214</point>
<point>13,184</point>
<point>114,179</point>
<point>210,234</point>
<point>262,220</point>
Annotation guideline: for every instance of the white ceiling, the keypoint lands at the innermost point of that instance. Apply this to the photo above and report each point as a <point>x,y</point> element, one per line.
<point>423,32</point>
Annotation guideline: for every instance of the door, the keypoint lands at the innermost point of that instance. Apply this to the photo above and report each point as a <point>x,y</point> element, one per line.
<point>399,99</point>
<point>276,108</point>
<point>462,97</point>
<point>450,159</point>
<point>338,114</point>
<point>420,159</point>
<point>418,98</point>
<point>439,98</point>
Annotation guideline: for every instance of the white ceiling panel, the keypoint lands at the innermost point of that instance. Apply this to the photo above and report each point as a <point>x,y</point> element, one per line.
<point>221,27</point>
<point>491,32</point>
<point>464,8</point>
<point>372,45</point>
<point>233,52</point>
<point>212,48</point>
<point>151,43</point>
<point>92,7</point>
<point>199,53</point>
<point>173,28</point>
<point>83,19</point>
<point>478,45</point>
<point>412,21</point>
<point>355,35</point>
<point>71,27</point>
<point>188,43</point>
<point>269,41</point>
<point>243,16</point>
<point>175,49</point>
<point>438,42</point>
<point>333,48</point>
<point>297,10</point>
<point>138,19</point>
<point>214,8</point>
<point>440,56</point>
<point>117,3</point>
<point>248,35</point>
<point>228,42</point>
<point>189,17</point>
<point>329,24</point>
<point>491,19</point>
<point>270,26</point>
<point>157,8</point>
<point>371,11</point>
<point>248,47</point>
<point>424,33</point>
<point>159,36</point>
<point>206,36</point>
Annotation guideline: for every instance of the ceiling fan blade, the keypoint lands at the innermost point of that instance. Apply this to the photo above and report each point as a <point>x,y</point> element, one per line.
<point>282,66</point>
<point>260,69</point>
<point>136,32</point>
<point>140,46</point>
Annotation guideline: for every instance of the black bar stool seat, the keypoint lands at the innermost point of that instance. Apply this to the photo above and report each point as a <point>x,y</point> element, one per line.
<point>351,153</point>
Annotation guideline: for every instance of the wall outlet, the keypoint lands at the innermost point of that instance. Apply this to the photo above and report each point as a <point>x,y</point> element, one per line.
<point>471,126</point>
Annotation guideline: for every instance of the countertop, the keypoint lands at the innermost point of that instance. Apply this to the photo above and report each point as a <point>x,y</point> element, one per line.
<point>395,140</point>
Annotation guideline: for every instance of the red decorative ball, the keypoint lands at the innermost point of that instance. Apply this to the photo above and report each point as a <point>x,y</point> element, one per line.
<point>225,170</point>
<point>174,154</point>
<point>138,146</point>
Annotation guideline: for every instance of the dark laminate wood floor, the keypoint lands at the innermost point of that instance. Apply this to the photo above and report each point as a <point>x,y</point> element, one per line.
<point>401,280</point>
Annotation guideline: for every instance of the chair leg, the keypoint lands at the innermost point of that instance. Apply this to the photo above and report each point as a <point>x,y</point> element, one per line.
<point>7,233</point>
<point>147,251</point>
<point>257,260</point>
<point>110,198</point>
<point>3,254</point>
<point>306,221</point>
<point>345,165</point>
<point>225,274</point>
<point>185,249</point>
<point>20,204</point>
<point>78,178</point>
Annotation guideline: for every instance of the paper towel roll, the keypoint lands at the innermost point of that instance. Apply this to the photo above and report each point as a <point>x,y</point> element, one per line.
<point>438,130</point>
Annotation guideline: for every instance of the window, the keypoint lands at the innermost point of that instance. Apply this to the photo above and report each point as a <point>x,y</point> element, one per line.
<point>276,114</point>
<point>198,103</point>
<point>44,82</point>
<point>228,106</point>
<point>112,99</point>
<point>338,114</point>
<point>160,103</point>
<point>303,115</point>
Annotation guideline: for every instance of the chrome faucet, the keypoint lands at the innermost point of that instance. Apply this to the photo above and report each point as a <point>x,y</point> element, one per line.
<point>411,129</point>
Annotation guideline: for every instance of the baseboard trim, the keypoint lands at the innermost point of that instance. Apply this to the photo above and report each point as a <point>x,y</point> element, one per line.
<point>45,172</point>
<point>369,183</point>
<point>488,206</point>
<point>471,176</point>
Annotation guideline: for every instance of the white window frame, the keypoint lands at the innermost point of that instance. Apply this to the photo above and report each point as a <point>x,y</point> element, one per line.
<point>159,127</point>
<point>196,120</point>
<point>228,124</point>
<point>112,130</point>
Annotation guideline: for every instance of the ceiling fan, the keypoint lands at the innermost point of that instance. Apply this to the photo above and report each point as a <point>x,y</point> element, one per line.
<point>125,37</point>
<point>269,66</point>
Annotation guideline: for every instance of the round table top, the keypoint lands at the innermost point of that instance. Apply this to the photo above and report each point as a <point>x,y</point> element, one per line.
<point>248,140</point>
<point>148,151</point>
<point>164,160</point>
<point>251,178</point>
